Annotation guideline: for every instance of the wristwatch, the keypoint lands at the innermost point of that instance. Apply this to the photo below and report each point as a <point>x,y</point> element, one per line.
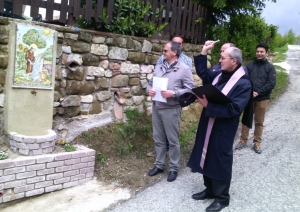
<point>174,94</point>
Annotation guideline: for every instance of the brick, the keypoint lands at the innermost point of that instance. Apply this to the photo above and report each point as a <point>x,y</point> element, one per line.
<point>8,163</point>
<point>37,152</point>
<point>91,163</point>
<point>43,184</point>
<point>24,151</point>
<point>7,198</point>
<point>1,173</point>
<point>18,137</point>
<point>35,179</point>
<point>54,176</point>
<point>91,174</point>
<point>62,180</point>
<point>79,166</point>
<point>55,164</point>
<point>8,178</point>
<point>85,180</point>
<point>26,175</point>
<point>78,177</point>
<point>40,139</point>
<point>87,170</point>
<point>15,183</point>
<point>87,159</point>
<point>48,150</point>
<point>79,154</point>
<point>1,186</point>
<point>12,143</point>
<point>63,168</point>
<point>33,146</point>
<point>71,173</point>
<point>72,161</point>
<point>1,199</point>
<point>24,188</point>
<point>91,152</point>
<point>34,192</point>
<point>21,146</point>
<point>53,188</point>
<point>45,171</point>
<point>44,159</point>
<point>11,135</point>
<point>63,156</point>
<point>45,145</point>
<point>70,184</point>
<point>29,140</point>
<point>36,167</point>
<point>13,149</point>
<point>24,162</point>
<point>14,170</point>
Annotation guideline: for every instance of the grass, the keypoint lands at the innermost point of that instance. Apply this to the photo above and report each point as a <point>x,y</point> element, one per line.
<point>280,56</point>
<point>281,83</point>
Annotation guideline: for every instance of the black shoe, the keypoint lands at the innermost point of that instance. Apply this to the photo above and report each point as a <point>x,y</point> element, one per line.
<point>155,171</point>
<point>193,170</point>
<point>215,206</point>
<point>202,196</point>
<point>172,176</point>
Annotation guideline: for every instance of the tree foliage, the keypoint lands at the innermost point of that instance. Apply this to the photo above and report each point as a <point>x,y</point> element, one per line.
<point>128,18</point>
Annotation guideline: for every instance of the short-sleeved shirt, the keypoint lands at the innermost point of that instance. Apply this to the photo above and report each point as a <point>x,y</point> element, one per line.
<point>182,58</point>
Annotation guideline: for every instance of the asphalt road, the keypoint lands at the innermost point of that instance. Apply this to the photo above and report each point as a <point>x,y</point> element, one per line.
<point>267,182</point>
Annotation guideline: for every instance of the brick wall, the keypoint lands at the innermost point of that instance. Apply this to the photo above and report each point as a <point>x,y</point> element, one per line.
<point>29,176</point>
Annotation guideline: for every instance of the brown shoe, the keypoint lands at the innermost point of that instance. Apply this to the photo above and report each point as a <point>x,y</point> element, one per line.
<point>257,148</point>
<point>241,144</point>
<point>151,154</point>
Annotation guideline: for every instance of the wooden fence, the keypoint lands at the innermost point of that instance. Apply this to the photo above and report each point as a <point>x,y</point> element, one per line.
<point>185,18</point>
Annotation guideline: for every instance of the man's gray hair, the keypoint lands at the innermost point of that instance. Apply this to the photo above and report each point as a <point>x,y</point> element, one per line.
<point>236,53</point>
<point>175,47</point>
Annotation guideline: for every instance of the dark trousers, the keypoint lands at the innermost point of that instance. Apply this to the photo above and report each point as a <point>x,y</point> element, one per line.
<point>219,189</point>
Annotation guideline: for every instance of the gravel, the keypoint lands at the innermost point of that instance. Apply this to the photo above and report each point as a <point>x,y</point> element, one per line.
<point>264,182</point>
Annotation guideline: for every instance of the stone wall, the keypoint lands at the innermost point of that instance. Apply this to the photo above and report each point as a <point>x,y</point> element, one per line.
<point>35,175</point>
<point>90,67</point>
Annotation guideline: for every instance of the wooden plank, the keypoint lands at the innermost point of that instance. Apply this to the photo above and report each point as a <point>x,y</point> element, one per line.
<point>188,30</point>
<point>167,18</point>
<point>76,10</point>
<point>63,11</point>
<point>198,24</point>
<point>49,11</point>
<point>88,10</point>
<point>178,17</point>
<point>193,21</point>
<point>110,7</point>
<point>34,10</point>
<point>99,10</point>
<point>184,19</point>
<point>203,27</point>
<point>17,7</point>
<point>1,6</point>
<point>146,17</point>
<point>160,17</point>
<point>154,7</point>
<point>173,18</point>
<point>71,20</point>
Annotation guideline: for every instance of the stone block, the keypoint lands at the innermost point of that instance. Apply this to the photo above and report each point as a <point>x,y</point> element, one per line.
<point>29,140</point>
<point>43,184</point>
<point>53,188</point>
<point>26,175</point>
<point>70,184</point>
<point>40,139</point>
<point>71,173</point>
<point>15,183</point>
<point>24,188</point>
<point>8,178</point>
<point>24,151</point>
<point>36,167</point>
<point>91,174</point>
<point>8,198</point>
<point>79,166</point>
<point>54,176</point>
<point>62,180</point>
<point>63,156</point>
<point>92,163</point>
<point>77,177</point>
<point>24,162</point>
<point>18,138</point>
<point>8,163</point>
<point>87,159</point>
<point>37,152</point>
<point>14,170</point>
<point>33,146</point>
<point>72,161</point>
<point>63,168</point>
<point>44,159</point>
<point>12,143</point>
<point>84,180</point>
<point>35,179</point>
<point>79,154</point>
<point>45,145</point>
<point>34,192</point>
<point>55,164</point>
<point>86,170</point>
<point>45,171</point>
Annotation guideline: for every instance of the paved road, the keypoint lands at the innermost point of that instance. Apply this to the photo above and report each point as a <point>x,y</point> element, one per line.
<point>261,183</point>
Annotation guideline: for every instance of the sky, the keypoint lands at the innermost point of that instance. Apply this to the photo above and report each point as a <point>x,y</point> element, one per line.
<point>285,14</point>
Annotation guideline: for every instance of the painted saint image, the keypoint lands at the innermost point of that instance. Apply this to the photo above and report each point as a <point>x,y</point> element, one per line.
<point>34,57</point>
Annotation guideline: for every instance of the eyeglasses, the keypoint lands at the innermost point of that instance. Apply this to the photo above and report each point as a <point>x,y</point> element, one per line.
<point>223,58</point>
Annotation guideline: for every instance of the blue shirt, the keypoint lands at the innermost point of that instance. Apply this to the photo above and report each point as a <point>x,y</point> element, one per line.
<point>182,58</point>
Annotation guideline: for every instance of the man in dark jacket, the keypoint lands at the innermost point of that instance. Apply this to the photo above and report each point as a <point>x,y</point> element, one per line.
<point>218,124</point>
<point>263,76</point>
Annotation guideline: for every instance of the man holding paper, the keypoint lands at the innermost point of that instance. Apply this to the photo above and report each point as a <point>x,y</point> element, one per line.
<point>168,82</point>
<point>212,154</point>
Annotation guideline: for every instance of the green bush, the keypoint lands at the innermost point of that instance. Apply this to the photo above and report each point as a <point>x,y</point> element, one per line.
<point>128,19</point>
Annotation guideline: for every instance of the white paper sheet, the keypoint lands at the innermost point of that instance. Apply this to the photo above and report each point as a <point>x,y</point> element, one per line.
<point>158,85</point>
